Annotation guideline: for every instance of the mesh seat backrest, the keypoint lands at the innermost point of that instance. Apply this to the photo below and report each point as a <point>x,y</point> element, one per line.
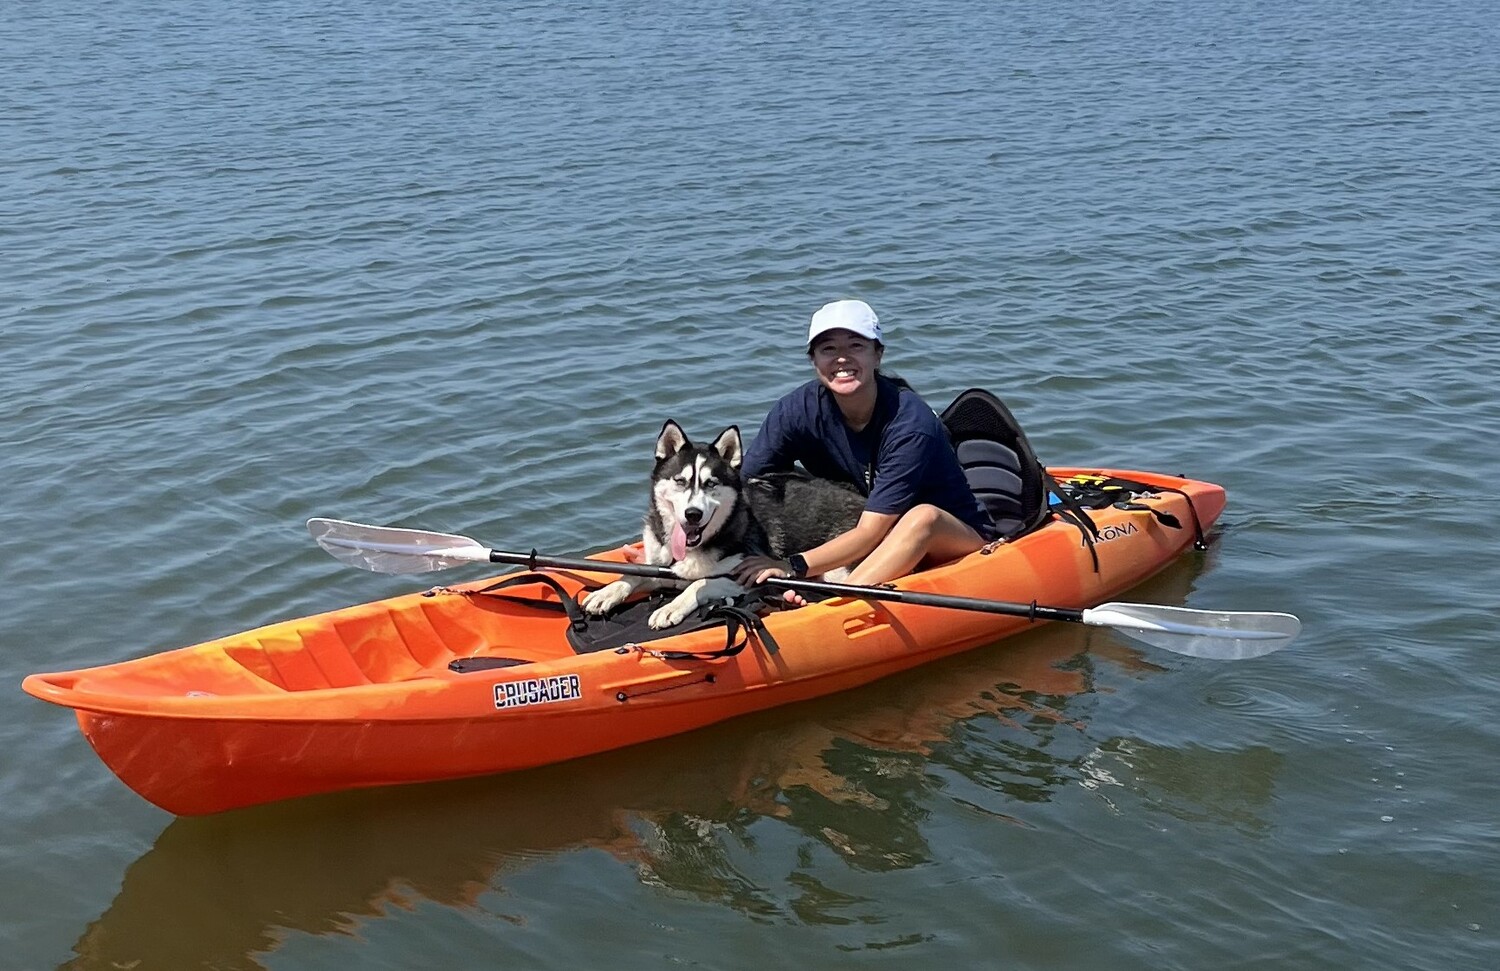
<point>1003,472</point>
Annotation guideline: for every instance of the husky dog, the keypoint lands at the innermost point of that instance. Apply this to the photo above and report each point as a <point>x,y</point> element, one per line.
<point>703,520</point>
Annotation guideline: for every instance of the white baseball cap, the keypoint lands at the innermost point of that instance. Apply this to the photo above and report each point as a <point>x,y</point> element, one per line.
<point>852,315</point>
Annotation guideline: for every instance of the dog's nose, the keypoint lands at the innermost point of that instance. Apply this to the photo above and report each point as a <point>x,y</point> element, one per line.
<point>692,515</point>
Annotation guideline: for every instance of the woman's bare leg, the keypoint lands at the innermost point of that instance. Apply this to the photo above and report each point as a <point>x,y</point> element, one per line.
<point>924,532</point>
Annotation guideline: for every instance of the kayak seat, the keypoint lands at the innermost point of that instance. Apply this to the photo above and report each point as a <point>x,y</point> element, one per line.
<point>1002,470</point>
<point>629,623</point>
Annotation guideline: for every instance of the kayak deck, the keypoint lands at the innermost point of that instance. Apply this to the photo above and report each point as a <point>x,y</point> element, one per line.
<point>364,695</point>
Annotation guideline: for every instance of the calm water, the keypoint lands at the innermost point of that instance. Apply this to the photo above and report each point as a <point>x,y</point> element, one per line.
<point>451,264</point>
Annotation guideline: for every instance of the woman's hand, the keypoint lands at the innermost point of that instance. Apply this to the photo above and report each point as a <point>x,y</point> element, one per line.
<point>755,570</point>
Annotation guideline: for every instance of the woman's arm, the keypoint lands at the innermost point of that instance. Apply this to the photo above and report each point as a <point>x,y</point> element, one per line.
<point>844,549</point>
<point>851,547</point>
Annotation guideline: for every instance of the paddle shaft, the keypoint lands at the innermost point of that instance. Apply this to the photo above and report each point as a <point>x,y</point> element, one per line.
<point>534,561</point>
<point>916,598</point>
<point>1226,635</point>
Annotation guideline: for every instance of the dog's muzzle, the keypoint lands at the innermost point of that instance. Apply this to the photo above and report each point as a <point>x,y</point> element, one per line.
<point>692,527</point>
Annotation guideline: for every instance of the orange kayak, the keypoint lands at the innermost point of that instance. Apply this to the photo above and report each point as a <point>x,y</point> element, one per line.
<point>365,696</point>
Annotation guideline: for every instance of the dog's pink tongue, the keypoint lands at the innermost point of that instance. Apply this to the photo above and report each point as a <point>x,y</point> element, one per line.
<point>679,542</point>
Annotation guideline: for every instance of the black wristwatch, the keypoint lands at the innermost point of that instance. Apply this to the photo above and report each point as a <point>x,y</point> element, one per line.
<point>798,564</point>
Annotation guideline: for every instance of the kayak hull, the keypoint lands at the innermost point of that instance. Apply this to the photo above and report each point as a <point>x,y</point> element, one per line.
<point>363,696</point>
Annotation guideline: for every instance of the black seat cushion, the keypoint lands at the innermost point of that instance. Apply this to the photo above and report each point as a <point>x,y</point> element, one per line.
<point>994,474</point>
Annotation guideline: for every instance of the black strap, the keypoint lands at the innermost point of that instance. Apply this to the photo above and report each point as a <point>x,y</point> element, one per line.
<point>565,601</point>
<point>1199,543</point>
<point>1073,512</point>
<point>740,621</point>
<point>1160,515</point>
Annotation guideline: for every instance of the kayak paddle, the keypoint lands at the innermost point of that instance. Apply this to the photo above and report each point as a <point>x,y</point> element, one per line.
<point>1217,634</point>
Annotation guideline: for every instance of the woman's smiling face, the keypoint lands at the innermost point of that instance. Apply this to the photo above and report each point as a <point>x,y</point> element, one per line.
<point>845,361</point>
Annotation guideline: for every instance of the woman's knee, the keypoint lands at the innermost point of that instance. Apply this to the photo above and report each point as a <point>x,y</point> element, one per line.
<point>922,521</point>
<point>941,534</point>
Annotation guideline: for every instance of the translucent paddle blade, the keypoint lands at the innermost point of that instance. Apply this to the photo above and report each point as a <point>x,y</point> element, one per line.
<point>387,549</point>
<point>1225,635</point>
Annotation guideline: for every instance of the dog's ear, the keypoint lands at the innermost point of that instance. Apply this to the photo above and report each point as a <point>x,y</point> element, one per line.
<point>728,445</point>
<point>670,441</point>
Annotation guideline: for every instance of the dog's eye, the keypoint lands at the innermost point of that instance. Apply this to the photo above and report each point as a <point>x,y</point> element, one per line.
<point>710,483</point>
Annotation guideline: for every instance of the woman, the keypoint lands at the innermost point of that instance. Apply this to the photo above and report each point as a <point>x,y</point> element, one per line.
<point>853,423</point>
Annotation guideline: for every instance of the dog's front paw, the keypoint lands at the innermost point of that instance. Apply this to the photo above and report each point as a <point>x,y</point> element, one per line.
<point>606,598</point>
<point>672,614</point>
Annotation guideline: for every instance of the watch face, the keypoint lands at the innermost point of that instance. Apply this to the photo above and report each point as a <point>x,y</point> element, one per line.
<point>798,565</point>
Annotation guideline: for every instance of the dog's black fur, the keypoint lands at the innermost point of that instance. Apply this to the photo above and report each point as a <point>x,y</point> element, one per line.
<point>794,512</point>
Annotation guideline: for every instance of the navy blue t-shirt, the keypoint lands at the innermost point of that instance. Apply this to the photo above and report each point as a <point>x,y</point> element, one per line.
<point>900,460</point>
